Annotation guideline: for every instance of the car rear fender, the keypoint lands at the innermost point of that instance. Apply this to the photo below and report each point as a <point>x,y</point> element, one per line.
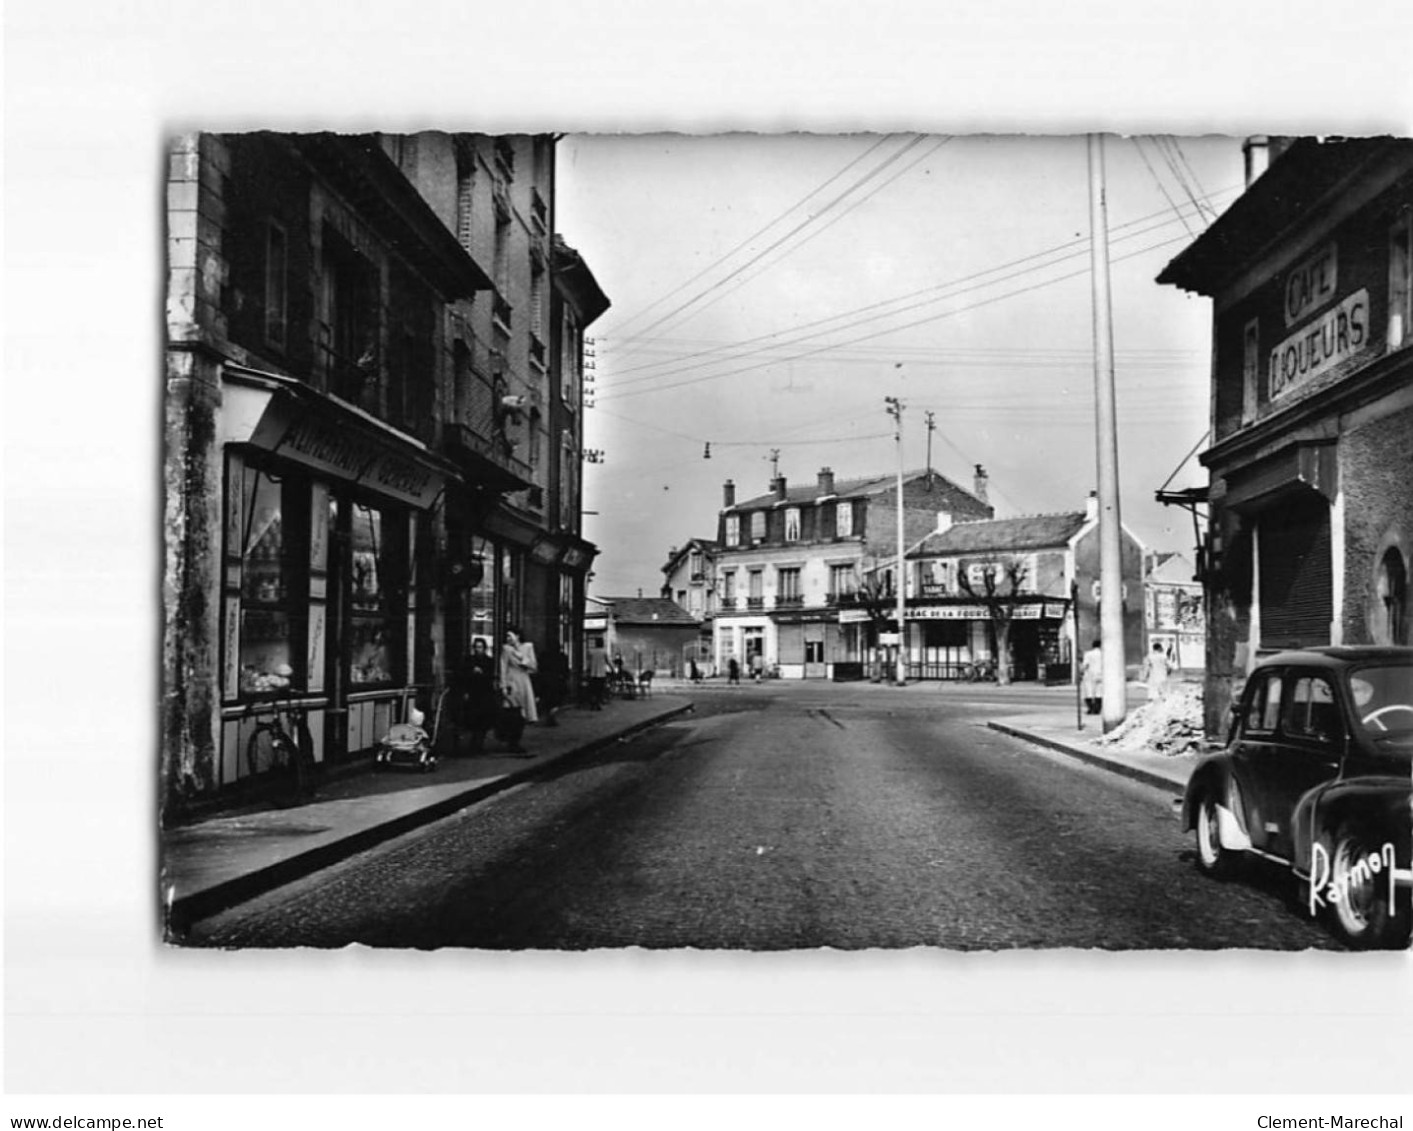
<point>1379,804</point>
<point>1216,776</point>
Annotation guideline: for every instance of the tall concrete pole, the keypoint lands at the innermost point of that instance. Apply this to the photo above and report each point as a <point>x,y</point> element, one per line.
<point>895,410</point>
<point>1111,619</point>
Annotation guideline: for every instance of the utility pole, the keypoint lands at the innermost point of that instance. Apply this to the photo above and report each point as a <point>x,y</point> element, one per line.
<point>1111,618</point>
<point>895,410</point>
<point>931,428</point>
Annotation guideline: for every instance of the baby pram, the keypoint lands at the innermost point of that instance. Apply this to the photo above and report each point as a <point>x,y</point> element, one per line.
<point>407,744</point>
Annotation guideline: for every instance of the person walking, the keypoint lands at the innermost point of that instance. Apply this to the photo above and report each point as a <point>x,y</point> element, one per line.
<point>1091,679</point>
<point>517,665</point>
<point>757,666</point>
<point>1156,670</point>
<point>476,693</point>
<point>597,674</point>
<point>733,672</point>
<point>554,684</point>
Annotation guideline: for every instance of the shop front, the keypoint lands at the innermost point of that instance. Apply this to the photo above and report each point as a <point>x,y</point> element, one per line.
<point>948,639</point>
<point>326,602</point>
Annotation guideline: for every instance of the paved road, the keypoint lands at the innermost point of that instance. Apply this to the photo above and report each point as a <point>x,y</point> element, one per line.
<point>792,816</point>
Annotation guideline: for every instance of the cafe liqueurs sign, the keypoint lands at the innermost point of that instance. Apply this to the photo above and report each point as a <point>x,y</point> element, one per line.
<point>1332,338</point>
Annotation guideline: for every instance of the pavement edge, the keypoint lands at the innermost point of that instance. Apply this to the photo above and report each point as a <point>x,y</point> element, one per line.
<point>1074,751</point>
<point>186,910</point>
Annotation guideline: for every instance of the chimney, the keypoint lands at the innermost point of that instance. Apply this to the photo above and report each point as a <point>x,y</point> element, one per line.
<point>728,494</point>
<point>944,521</point>
<point>826,481</point>
<point>979,484</point>
<point>1091,507</point>
<point>778,486</point>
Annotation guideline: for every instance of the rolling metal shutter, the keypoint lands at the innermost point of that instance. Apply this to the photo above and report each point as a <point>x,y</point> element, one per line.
<point>1297,587</point>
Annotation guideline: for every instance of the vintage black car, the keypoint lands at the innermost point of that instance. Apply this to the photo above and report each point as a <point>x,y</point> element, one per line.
<point>1317,775</point>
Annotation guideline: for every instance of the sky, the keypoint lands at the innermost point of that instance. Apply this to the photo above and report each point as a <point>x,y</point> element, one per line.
<point>770,290</point>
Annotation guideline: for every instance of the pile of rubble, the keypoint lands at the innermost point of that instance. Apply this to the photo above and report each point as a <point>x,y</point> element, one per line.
<point>1170,725</point>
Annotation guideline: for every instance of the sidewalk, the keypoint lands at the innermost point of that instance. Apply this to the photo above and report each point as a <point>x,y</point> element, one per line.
<point>1058,730</point>
<point>215,863</point>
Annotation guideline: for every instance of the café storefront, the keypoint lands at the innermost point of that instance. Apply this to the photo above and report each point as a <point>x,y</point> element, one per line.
<point>325,600</point>
<point>945,637</point>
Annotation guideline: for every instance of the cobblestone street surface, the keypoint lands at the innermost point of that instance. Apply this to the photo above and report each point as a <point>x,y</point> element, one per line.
<point>785,817</point>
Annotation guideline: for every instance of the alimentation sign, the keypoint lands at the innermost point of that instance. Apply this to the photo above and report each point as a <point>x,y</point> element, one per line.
<point>1336,336</point>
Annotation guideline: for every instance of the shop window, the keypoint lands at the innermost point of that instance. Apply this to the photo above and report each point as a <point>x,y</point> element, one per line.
<point>377,567</point>
<point>268,656</point>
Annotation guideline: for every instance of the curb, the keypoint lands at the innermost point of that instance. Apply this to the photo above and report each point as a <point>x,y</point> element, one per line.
<point>1136,773</point>
<point>182,912</point>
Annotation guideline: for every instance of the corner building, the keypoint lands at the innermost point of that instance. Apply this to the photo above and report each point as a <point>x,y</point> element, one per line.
<point>1310,494</point>
<point>372,431</point>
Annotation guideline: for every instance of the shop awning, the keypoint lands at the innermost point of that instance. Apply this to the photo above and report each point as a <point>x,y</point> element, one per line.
<point>285,417</point>
<point>1299,466</point>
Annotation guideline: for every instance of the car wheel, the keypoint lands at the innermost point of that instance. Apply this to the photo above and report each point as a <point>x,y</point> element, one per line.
<point>1212,858</point>
<point>1360,912</point>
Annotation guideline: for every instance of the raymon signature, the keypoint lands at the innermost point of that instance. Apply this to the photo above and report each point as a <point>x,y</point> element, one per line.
<point>1361,871</point>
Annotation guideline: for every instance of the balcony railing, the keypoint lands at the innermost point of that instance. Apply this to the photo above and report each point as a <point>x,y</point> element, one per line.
<point>755,602</point>
<point>790,601</point>
<point>537,350</point>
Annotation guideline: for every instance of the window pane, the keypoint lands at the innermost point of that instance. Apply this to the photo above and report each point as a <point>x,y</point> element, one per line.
<point>266,630</point>
<point>370,634</point>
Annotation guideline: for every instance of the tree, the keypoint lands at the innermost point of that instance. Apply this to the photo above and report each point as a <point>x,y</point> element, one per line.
<point>995,583</point>
<point>874,593</point>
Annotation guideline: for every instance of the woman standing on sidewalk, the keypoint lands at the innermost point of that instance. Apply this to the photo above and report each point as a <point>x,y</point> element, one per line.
<point>1091,675</point>
<point>517,664</point>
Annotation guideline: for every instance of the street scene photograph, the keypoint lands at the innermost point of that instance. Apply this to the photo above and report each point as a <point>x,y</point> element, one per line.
<point>781,541</point>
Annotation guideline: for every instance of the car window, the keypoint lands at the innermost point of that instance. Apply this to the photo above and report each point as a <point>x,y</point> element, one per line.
<point>1263,708</point>
<point>1383,698</point>
<point>1310,710</point>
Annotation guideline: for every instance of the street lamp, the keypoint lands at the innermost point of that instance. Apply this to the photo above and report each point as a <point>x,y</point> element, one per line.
<point>895,410</point>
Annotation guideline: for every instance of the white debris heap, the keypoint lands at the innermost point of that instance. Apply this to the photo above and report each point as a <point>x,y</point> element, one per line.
<point>1169,725</point>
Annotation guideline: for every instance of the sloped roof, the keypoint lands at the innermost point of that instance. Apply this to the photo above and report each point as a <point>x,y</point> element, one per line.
<point>647,610</point>
<point>1299,182</point>
<point>706,545</point>
<point>845,489</point>
<point>1028,532</point>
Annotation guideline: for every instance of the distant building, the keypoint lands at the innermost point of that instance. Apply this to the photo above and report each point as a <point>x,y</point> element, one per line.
<point>1173,610</point>
<point>690,577</point>
<point>1042,574</point>
<point>1310,497</point>
<point>650,633</point>
<point>789,561</point>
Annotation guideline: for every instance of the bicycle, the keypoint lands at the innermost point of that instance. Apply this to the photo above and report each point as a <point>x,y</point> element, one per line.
<point>286,755</point>
<point>979,671</point>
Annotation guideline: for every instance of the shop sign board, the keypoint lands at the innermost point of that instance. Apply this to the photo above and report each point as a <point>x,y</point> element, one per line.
<point>344,453</point>
<point>1339,334</point>
<point>1312,283</point>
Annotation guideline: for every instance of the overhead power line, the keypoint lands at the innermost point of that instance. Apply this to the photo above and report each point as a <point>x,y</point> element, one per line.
<point>887,330</point>
<point>814,218</point>
<point>1073,249</point>
<point>756,234</point>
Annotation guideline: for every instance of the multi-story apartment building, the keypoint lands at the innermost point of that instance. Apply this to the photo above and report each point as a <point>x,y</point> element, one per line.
<point>788,561</point>
<point>1310,499</point>
<point>690,581</point>
<point>371,342</point>
<point>1039,574</point>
